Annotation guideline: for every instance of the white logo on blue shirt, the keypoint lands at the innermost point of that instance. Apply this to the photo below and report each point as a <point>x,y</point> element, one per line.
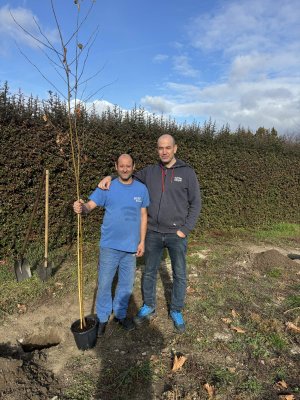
<point>138,199</point>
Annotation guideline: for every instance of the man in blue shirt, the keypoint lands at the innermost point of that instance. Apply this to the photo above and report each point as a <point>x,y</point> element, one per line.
<point>122,239</point>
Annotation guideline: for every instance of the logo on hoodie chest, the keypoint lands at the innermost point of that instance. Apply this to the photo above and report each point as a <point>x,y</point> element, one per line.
<point>177,179</point>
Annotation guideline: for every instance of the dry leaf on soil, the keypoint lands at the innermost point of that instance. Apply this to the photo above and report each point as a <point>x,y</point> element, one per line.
<point>226,320</point>
<point>287,397</point>
<point>190,290</point>
<point>292,327</point>
<point>281,385</point>
<point>237,329</point>
<point>178,362</point>
<point>231,369</point>
<point>22,308</point>
<point>210,390</point>
<point>234,314</point>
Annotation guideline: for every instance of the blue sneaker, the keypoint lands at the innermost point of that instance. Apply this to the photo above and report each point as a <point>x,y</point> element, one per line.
<point>178,321</point>
<point>145,313</point>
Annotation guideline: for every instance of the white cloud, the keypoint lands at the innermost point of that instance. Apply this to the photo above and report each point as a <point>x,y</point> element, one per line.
<point>160,58</point>
<point>245,66</point>
<point>242,26</point>
<point>99,105</point>
<point>260,36</point>
<point>9,29</point>
<point>182,66</point>
<point>157,104</point>
<point>266,103</point>
<point>252,51</point>
<point>178,45</point>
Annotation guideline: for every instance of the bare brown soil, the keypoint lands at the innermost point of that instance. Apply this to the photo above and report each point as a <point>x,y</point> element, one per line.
<point>39,358</point>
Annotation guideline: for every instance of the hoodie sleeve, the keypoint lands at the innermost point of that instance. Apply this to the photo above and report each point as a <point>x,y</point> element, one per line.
<point>194,199</point>
<point>141,175</point>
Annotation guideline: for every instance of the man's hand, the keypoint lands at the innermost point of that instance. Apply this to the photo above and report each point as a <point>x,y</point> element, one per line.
<point>140,249</point>
<point>78,206</point>
<point>104,184</point>
<point>180,234</point>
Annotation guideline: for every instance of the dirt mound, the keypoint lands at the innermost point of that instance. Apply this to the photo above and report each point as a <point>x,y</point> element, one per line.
<point>272,260</point>
<point>24,376</point>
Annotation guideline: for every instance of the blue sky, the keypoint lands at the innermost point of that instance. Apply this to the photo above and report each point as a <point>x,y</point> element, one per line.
<point>236,62</point>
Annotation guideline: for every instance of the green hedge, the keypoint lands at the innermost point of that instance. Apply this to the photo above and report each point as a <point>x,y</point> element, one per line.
<point>247,179</point>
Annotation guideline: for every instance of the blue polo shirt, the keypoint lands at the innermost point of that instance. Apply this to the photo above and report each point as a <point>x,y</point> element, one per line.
<point>122,219</point>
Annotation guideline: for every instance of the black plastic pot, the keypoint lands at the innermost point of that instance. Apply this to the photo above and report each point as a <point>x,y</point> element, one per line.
<point>85,338</point>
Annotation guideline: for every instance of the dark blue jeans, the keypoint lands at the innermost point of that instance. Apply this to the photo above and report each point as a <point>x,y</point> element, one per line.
<point>155,244</point>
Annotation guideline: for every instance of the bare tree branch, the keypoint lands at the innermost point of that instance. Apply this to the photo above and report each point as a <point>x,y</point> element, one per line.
<point>87,55</point>
<point>80,25</point>
<point>31,35</point>
<point>41,73</point>
<point>44,36</point>
<point>97,91</point>
<point>87,46</point>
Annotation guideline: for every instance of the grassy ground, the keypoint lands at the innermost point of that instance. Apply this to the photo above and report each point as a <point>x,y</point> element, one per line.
<point>242,297</point>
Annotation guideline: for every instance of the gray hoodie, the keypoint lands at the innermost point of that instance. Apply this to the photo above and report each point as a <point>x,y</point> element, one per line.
<point>175,201</point>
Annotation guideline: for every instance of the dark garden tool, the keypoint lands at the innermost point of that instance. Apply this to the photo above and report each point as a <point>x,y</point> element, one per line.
<point>22,266</point>
<point>44,270</point>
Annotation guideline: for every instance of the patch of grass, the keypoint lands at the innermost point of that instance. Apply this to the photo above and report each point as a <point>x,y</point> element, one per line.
<point>127,379</point>
<point>258,345</point>
<point>13,292</point>
<point>237,345</point>
<point>221,376</point>
<point>293,301</point>
<point>159,369</point>
<point>197,341</point>
<point>208,306</point>
<point>203,344</point>
<point>33,289</point>
<point>252,385</point>
<point>281,373</point>
<point>277,342</point>
<point>277,231</point>
<point>274,273</point>
<point>82,388</point>
<point>194,259</point>
<point>139,372</point>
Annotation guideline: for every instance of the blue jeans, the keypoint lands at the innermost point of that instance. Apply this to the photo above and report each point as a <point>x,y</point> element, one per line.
<point>154,247</point>
<point>109,261</point>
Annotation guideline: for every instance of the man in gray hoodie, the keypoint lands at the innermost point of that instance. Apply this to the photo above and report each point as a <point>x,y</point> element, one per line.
<point>175,205</point>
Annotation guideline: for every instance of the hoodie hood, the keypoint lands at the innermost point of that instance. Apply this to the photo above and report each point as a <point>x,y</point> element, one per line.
<point>178,164</point>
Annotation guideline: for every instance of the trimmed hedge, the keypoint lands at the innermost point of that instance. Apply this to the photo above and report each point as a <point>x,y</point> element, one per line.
<point>246,179</point>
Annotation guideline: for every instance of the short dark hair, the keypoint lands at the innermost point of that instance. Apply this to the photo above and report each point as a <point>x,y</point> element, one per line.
<point>125,154</point>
